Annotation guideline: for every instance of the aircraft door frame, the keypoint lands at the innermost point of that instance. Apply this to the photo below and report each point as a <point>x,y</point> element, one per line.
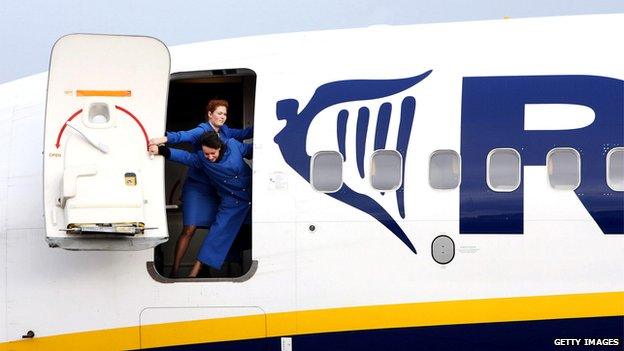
<point>107,96</point>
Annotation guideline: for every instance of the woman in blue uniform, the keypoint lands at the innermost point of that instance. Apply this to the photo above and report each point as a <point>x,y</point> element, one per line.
<point>222,162</point>
<point>199,199</point>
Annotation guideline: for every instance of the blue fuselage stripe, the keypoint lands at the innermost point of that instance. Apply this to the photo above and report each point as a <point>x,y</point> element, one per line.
<point>525,335</point>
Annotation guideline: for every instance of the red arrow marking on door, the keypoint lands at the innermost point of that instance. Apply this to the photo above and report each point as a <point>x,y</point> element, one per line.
<point>137,121</point>
<point>58,138</point>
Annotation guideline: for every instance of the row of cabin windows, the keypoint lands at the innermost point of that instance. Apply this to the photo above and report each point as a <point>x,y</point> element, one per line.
<point>502,170</point>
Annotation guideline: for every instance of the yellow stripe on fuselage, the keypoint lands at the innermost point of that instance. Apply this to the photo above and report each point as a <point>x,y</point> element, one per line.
<point>335,320</point>
<point>107,339</point>
<point>461,312</point>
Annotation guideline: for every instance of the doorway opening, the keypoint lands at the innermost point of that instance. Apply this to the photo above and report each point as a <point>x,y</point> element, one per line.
<point>189,93</point>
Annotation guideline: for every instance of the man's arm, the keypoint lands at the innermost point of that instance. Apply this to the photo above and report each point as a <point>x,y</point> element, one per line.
<point>246,150</point>
<point>186,136</point>
<point>177,155</point>
<point>239,134</point>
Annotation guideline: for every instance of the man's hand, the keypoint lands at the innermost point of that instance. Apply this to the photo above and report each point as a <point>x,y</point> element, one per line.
<point>158,141</point>
<point>153,149</point>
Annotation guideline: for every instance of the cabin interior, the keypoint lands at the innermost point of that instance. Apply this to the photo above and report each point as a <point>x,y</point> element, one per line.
<point>189,92</point>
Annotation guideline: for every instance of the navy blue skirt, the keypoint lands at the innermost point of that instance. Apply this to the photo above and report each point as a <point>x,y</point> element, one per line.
<point>199,203</point>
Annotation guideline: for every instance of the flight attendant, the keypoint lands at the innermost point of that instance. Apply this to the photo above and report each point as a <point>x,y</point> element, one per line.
<point>199,198</point>
<point>222,163</point>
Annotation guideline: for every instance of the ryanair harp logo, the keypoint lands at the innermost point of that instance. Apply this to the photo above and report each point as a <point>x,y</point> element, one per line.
<point>292,140</point>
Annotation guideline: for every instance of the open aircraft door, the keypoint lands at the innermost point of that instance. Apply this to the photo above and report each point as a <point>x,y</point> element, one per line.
<point>107,96</point>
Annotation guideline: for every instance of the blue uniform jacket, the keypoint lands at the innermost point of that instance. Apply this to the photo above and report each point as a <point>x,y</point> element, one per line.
<point>231,178</point>
<point>193,136</point>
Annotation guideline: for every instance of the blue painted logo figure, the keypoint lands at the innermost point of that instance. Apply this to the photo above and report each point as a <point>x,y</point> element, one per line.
<point>292,139</point>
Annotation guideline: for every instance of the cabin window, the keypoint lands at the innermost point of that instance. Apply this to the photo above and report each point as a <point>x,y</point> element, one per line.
<point>326,174</point>
<point>386,170</point>
<point>564,168</point>
<point>444,169</point>
<point>189,93</point>
<point>615,169</point>
<point>503,170</point>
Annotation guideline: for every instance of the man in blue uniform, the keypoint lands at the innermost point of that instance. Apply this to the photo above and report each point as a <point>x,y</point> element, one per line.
<point>199,199</point>
<point>222,162</point>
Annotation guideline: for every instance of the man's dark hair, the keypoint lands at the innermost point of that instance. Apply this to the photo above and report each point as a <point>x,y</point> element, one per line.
<point>211,140</point>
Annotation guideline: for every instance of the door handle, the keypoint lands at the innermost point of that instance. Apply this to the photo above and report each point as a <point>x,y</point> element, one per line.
<point>93,141</point>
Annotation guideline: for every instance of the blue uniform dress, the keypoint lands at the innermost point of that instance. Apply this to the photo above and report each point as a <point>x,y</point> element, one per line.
<point>199,199</point>
<point>231,178</point>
